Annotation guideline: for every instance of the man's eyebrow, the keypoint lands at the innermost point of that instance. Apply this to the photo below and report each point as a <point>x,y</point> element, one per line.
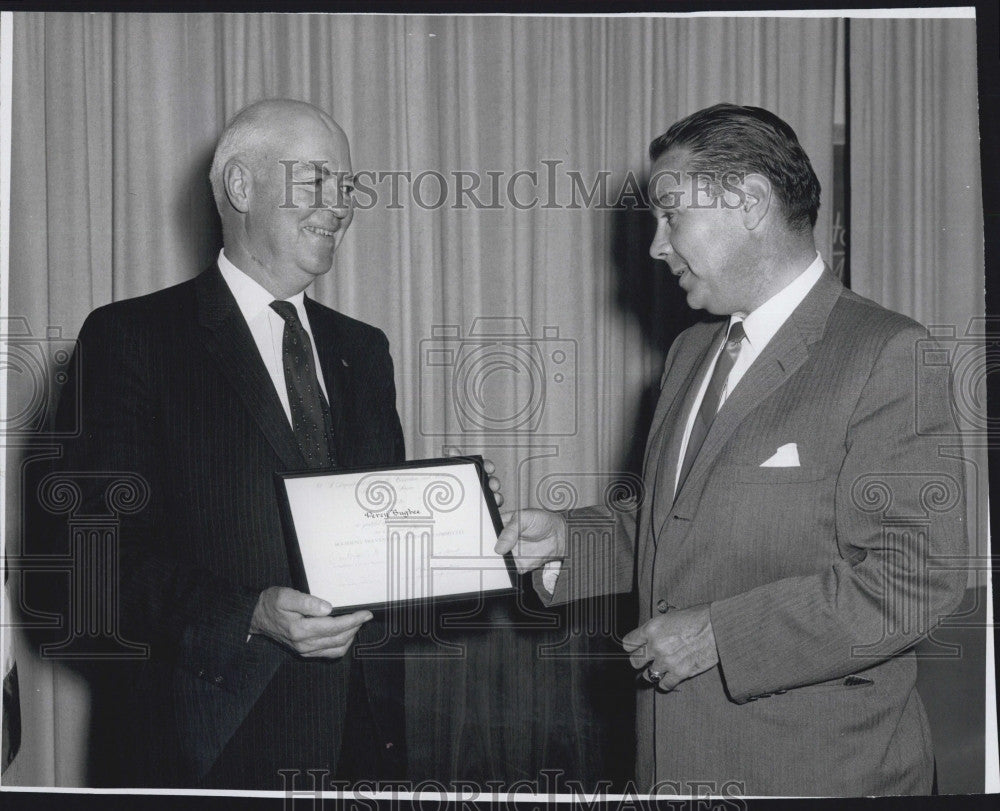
<point>324,169</point>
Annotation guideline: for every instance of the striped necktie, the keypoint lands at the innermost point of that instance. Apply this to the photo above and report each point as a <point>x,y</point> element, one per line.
<point>311,419</point>
<point>713,398</point>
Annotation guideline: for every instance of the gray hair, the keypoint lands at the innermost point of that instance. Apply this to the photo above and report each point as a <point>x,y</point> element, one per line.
<point>243,137</point>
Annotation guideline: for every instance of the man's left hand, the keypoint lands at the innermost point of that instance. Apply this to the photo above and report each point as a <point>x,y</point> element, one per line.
<point>679,644</point>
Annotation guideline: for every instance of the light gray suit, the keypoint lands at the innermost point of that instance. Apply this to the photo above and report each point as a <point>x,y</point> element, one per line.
<point>816,573</point>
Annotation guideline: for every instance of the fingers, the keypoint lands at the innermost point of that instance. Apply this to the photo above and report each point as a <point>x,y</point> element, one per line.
<point>510,533</point>
<point>669,682</point>
<point>329,646</point>
<point>640,658</point>
<point>325,636</point>
<point>663,670</point>
<point>302,622</point>
<point>662,678</point>
<point>494,484</point>
<point>328,626</point>
<point>328,653</point>
<point>306,604</point>
<point>633,639</point>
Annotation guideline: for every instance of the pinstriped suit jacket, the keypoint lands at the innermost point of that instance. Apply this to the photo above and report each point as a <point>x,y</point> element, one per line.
<point>814,573</point>
<point>172,387</point>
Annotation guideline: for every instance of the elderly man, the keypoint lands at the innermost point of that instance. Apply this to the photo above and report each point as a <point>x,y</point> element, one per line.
<point>778,610</point>
<point>205,390</point>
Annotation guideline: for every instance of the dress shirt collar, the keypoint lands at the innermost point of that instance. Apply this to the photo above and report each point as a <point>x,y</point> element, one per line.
<point>761,325</point>
<point>251,297</point>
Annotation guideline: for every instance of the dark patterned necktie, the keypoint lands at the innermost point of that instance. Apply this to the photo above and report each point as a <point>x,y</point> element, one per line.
<point>713,397</point>
<point>311,420</point>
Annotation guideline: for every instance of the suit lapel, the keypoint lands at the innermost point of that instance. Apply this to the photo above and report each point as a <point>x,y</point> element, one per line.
<point>336,373</point>
<point>660,466</point>
<point>227,338</point>
<point>781,358</point>
<point>676,384</point>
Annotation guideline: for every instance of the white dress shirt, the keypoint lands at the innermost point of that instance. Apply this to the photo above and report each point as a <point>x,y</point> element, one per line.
<point>760,327</point>
<point>267,327</point>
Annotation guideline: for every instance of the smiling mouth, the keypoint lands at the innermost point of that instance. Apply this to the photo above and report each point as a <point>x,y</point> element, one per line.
<point>323,232</point>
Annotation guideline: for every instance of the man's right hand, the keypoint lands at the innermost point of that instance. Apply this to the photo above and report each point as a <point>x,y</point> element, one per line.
<point>303,623</point>
<point>534,536</point>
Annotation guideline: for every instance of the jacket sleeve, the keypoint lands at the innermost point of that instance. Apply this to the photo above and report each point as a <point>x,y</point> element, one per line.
<point>601,542</point>
<point>600,558</point>
<point>182,612</point>
<point>900,529</point>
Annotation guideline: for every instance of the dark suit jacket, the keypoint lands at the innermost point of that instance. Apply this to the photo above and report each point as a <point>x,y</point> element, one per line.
<point>814,573</point>
<point>172,388</point>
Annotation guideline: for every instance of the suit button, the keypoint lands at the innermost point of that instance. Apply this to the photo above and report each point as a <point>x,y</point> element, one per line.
<point>662,606</point>
<point>218,679</point>
<point>201,674</point>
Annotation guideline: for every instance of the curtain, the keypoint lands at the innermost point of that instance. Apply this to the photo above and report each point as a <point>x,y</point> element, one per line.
<point>115,120</point>
<point>916,202</point>
<point>916,246</point>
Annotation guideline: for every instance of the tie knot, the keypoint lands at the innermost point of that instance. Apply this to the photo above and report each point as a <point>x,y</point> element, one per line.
<point>736,333</point>
<point>287,311</point>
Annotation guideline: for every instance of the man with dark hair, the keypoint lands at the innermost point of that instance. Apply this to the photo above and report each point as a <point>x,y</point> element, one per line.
<point>203,391</point>
<point>787,555</point>
<point>726,139</point>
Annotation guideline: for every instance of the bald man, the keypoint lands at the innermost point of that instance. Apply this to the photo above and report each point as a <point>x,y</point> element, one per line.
<point>205,390</point>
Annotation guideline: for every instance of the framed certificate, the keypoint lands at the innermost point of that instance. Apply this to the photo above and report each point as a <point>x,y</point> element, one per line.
<point>376,537</point>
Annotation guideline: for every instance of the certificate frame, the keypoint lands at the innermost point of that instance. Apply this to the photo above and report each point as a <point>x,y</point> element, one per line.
<point>297,565</point>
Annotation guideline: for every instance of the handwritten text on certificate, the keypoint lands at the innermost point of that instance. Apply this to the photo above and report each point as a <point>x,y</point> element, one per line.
<point>380,536</point>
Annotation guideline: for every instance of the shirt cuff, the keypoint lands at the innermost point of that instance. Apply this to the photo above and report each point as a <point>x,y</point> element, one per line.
<point>549,574</point>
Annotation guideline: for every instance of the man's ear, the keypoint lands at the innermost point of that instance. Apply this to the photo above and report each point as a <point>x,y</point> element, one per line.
<point>237,181</point>
<point>756,199</point>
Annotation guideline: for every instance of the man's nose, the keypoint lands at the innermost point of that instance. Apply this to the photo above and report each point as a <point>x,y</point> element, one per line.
<point>660,247</point>
<point>340,204</point>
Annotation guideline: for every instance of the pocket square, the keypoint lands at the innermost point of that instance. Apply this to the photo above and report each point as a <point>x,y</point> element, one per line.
<point>785,456</point>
